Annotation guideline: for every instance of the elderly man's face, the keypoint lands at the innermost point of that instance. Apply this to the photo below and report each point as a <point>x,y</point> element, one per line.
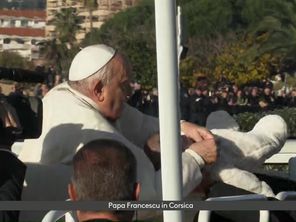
<point>116,91</point>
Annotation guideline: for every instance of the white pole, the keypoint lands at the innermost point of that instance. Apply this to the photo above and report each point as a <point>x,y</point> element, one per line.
<point>179,34</point>
<point>165,22</point>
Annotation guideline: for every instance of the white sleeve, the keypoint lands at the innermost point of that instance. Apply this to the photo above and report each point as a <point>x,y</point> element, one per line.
<point>136,126</point>
<point>191,168</point>
<point>191,171</point>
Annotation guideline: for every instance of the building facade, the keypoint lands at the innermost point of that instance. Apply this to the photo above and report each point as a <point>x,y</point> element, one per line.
<point>105,10</point>
<point>21,31</point>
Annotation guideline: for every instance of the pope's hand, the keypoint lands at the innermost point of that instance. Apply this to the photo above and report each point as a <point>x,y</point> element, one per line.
<point>195,132</point>
<point>207,149</point>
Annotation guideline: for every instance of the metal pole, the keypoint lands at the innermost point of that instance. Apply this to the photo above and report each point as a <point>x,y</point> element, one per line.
<point>165,22</point>
<point>179,36</point>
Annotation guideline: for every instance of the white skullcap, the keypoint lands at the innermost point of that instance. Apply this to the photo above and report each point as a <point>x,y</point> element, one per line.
<point>90,60</point>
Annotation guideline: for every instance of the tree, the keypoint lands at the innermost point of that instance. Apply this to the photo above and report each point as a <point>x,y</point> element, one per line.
<point>57,54</point>
<point>208,18</point>
<point>91,5</point>
<point>60,50</point>
<point>14,60</point>
<point>276,31</point>
<point>233,64</point>
<point>67,24</point>
<point>243,39</point>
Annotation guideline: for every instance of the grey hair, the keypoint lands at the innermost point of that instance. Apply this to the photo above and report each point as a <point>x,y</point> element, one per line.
<point>104,170</point>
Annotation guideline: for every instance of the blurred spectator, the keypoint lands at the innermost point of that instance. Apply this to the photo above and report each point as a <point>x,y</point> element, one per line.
<point>184,103</point>
<point>226,96</point>
<point>267,100</point>
<point>37,90</point>
<point>292,100</point>
<point>104,170</point>
<point>200,106</point>
<point>12,174</point>
<point>1,93</point>
<point>152,106</point>
<point>22,105</point>
<point>223,100</point>
<point>57,80</point>
<point>135,98</point>
<point>44,89</point>
<point>281,99</point>
<point>253,100</point>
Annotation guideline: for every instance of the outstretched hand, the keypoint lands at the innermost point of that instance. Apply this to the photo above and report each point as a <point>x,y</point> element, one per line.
<point>207,149</point>
<point>195,132</point>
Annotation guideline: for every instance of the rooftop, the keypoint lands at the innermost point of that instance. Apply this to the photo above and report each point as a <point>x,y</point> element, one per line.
<point>22,32</point>
<point>40,14</point>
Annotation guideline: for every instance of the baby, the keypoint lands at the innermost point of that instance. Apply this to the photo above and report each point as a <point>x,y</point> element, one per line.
<point>242,153</point>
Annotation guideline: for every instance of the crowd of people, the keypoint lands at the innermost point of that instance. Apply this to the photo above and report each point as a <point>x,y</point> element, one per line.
<point>197,103</point>
<point>52,80</point>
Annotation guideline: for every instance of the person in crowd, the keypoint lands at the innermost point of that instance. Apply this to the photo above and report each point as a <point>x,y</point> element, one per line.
<point>222,99</point>
<point>44,89</point>
<point>22,106</point>
<point>57,80</point>
<point>191,92</point>
<point>152,108</point>
<point>292,99</point>
<point>135,98</point>
<point>37,90</point>
<point>235,89</point>
<point>12,170</point>
<point>12,174</point>
<point>104,170</point>
<point>197,114</point>
<point>281,99</point>
<point>92,105</point>
<point>200,106</point>
<point>184,102</point>
<point>253,100</point>
<point>241,99</point>
<point>267,100</point>
<point>10,124</point>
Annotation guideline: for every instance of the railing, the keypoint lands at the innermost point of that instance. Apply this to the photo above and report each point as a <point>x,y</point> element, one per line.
<point>287,155</point>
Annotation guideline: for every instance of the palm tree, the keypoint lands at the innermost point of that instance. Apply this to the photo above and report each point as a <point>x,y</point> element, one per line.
<point>91,5</point>
<point>67,24</point>
<point>278,29</point>
<point>54,52</point>
<point>58,54</point>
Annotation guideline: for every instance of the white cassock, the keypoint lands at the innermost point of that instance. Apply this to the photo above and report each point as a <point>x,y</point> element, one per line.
<point>70,120</point>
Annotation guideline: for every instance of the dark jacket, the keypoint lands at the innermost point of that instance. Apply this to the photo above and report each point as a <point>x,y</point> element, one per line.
<point>12,174</point>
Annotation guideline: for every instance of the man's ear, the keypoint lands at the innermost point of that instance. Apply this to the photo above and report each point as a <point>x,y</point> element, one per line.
<point>72,192</point>
<point>98,91</point>
<point>137,190</point>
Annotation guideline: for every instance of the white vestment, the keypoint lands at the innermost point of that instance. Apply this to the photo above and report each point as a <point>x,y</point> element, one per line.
<point>70,120</point>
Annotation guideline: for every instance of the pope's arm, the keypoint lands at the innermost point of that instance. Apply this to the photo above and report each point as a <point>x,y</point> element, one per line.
<point>193,160</point>
<point>138,128</point>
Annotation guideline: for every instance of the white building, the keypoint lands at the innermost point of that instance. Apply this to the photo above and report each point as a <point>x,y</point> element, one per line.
<point>21,31</point>
<point>105,10</point>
